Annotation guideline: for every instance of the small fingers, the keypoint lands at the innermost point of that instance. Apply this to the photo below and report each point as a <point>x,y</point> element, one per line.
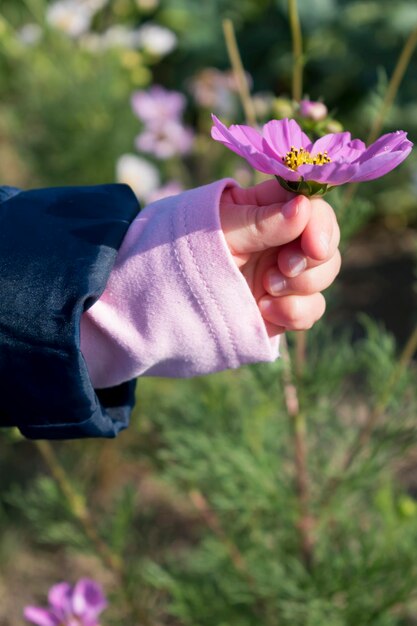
<point>321,235</point>
<point>262,194</point>
<point>308,282</point>
<point>292,312</point>
<point>292,258</point>
<point>250,228</point>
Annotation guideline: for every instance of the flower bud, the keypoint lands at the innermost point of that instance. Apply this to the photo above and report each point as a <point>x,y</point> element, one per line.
<point>316,111</point>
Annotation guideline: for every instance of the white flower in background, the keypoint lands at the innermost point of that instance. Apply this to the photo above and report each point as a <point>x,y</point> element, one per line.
<point>72,17</point>
<point>30,34</point>
<point>156,39</point>
<point>120,37</point>
<point>140,174</point>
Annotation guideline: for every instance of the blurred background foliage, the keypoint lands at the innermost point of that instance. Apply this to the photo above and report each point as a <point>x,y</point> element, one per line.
<point>196,503</point>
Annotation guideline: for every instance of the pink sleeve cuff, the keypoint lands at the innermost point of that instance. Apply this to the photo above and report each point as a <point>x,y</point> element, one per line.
<point>175,305</point>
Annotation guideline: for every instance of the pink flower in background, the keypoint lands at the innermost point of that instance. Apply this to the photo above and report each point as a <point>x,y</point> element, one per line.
<point>284,150</point>
<point>316,111</point>
<point>164,135</point>
<point>79,605</point>
<point>157,105</point>
<point>216,90</point>
<point>165,140</point>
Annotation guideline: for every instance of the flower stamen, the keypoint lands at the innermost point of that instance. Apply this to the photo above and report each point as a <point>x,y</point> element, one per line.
<point>298,156</point>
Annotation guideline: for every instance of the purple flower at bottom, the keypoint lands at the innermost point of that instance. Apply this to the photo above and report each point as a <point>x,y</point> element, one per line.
<point>78,605</point>
<point>284,150</point>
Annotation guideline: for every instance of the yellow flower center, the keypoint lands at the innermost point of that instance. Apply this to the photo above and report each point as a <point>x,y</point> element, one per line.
<point>298,156</point>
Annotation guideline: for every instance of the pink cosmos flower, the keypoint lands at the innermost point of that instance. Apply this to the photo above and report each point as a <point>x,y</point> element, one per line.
<point>79,605</point>
<point>157,105</point>
<point>165,140</point>
<point>303,166</point>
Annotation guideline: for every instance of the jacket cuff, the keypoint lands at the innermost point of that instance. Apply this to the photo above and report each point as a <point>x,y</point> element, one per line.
<point>57,249</point>
<point>175,304</point>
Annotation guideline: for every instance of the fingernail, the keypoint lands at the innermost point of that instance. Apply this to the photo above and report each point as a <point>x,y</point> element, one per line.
<point>277,283</point>
<point>297,264</point>
<point>265,305</point>
<point>290,208</point>
<point>324,240</point>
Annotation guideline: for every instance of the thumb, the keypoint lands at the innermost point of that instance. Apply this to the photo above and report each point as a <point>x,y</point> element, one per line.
<point>250,228</point>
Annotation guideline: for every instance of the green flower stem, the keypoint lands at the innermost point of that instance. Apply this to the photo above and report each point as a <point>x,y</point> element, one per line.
<point>390,95</point>
<point>297,49</point>
<point>79,508</point>
<point>239,72</point>
<point>298,420</point>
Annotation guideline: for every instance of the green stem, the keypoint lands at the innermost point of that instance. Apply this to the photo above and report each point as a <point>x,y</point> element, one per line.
<point>239,72</point>
<point>79,508</point>
<point>297,50</point>
<point>305,521</point>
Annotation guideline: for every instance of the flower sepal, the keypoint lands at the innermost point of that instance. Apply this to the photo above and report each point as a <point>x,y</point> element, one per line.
<point>304,187</point>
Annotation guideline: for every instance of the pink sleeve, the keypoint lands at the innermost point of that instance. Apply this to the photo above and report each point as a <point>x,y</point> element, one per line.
<point>175,304</point>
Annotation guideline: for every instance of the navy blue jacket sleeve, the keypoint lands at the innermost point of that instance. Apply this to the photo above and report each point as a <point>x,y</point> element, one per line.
<point>57,249</point>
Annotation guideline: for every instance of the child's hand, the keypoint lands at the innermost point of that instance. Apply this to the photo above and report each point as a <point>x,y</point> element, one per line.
<point>286,246</point>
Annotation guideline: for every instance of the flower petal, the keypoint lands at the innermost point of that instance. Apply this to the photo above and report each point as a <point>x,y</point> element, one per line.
<point>387,143</point>
<point>248,143</point>
<point>88,599</point>
<point>237,135</point>
<point>358,144</point>
<point>350,159</point>
<point>40,617</point>
<point>334,173</point>
<point>382,164</point>
<point>281,135</point>
<point>59,596</point>
<point>334,143</point>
